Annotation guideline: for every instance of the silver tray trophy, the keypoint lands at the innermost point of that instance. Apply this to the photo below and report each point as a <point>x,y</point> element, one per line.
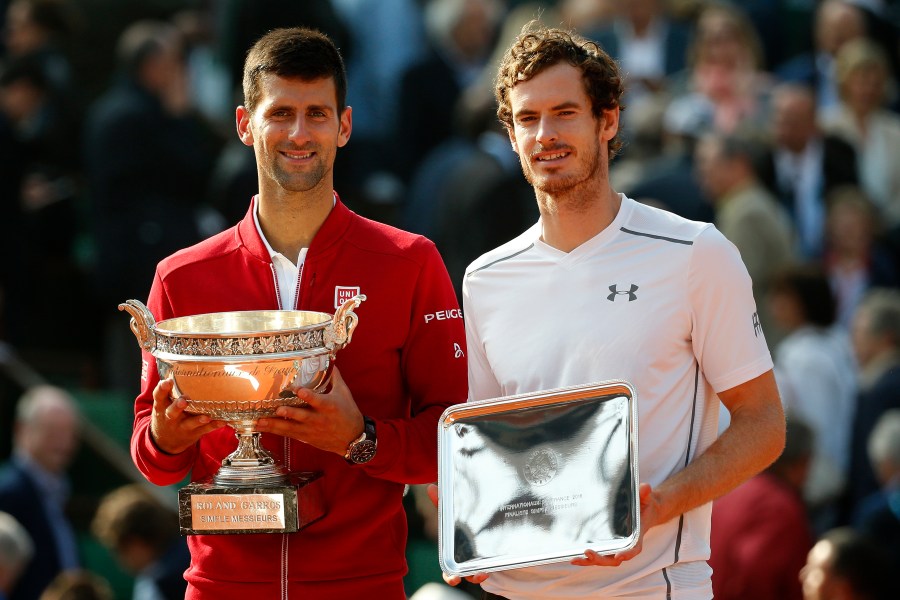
<point>538,478</point>
<point>238,367</point>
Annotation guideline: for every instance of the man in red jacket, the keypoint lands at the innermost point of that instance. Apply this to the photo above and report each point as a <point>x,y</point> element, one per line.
<point>300,247</point>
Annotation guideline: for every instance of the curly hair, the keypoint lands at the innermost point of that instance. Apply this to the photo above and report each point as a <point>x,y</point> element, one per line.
<point>538,48</point>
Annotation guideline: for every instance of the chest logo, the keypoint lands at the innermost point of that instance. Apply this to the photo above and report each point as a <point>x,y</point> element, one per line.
<point>342,293</point>
<point>616,292</point>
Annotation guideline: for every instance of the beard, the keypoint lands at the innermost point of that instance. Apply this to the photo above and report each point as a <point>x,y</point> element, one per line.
<point>293,180</point>
<point>587,170</point>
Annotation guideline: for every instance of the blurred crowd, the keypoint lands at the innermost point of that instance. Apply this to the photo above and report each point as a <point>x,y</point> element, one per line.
<point>778,120</point>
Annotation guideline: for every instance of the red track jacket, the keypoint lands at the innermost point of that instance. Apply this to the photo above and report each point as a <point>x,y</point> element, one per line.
<point>404,366</point>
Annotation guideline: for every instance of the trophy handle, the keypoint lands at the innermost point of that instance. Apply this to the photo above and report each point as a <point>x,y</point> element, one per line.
<point>141,324</point>
<point>338,334</point>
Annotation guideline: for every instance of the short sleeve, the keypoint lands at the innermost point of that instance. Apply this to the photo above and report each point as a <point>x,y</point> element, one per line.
<point>726,334</point>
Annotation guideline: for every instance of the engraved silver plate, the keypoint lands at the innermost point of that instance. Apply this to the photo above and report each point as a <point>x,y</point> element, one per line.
<point>538,478</point>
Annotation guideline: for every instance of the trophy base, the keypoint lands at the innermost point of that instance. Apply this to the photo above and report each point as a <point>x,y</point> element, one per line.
<point>209,508</point>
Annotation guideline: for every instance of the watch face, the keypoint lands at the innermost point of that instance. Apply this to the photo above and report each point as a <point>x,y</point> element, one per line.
<point>363,452</point>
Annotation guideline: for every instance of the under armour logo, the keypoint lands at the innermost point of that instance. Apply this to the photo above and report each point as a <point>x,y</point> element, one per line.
<point>757,328</point>
<point>457,351</point>
<point>615,292</point>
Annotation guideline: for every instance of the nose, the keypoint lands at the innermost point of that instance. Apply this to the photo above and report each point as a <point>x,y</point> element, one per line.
<point>299,132</point>
<point>546,132</point>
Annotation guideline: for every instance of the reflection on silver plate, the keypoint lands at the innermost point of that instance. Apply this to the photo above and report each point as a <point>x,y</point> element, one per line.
<point>538,478</point>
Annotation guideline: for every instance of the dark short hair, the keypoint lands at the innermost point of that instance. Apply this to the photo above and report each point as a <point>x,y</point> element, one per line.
<point>538,48</point>
<point>862,562</point>
<point>810,286</point>
<point>799,440</point>
<point>882,305</point>
<point>131,513</point>
<point>143,40</point>
<point>295,52</point>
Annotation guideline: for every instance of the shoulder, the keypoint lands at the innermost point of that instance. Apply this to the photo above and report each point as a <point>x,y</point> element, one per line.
<point>378,238</point>
<point>505,252</point>
<point>652,223</point>
<point>218,246</point>
<point>14,483</point>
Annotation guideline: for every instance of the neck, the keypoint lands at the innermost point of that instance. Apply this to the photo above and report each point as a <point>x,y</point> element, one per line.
<point>572,219</point>
<point>290,221</point>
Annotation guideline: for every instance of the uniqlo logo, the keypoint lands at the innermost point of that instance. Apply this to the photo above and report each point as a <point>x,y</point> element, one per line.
<point>342,293</point>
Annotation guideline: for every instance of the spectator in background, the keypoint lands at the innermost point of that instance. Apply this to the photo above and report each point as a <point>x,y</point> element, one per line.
<point>34,488</point>
<point>846,565</point>
<point>78,585</point>
<point>461,36</point>
<point>864,80</point>
<point>804,165</point>
<point>148,158</point>
<point>746,213</point>
<point>143,535</point>
<point>836,23</point>
<point>876,342</point>
<point>16,549</point>
<point>39,133</point>
<point>760,530</point>
<point>388,38</point>
<point>669,179</point>
<point>878,515</point>
<point>815,372</point>
<point>724,81</point>
<point>41,31</point>
<point>855,258</point>
<point>649,46</point>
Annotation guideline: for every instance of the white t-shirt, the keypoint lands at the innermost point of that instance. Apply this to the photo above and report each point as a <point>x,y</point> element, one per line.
<point>654,299</point>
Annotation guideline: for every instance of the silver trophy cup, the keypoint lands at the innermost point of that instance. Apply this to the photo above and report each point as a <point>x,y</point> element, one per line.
<point>240,366</point>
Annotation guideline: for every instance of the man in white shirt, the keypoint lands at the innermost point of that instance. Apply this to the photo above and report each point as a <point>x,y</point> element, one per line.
<point>605,288</point>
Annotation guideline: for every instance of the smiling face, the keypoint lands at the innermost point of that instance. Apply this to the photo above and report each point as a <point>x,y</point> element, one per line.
<point>561,145</point>
<point>295,130</point>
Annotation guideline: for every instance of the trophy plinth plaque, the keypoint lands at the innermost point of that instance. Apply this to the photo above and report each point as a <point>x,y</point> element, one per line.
<point>285,507</point>
<point>238,367</point>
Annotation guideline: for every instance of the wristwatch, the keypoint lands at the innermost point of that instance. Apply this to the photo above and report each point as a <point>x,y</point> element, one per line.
<point>362,449</point>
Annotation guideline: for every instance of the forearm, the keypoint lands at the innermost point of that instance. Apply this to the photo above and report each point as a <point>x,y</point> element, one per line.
<point>754,439</point>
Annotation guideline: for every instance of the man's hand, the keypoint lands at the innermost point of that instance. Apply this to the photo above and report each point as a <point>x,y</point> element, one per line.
<point>172,429</point>
<point>649,518</point>
<point>329,421</point>
<point>432,490</point>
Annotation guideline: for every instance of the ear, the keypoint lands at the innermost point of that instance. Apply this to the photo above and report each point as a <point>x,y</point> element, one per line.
<point>346,126</point>
<point>512,139</point>
<point>242,121</point>
<point>609,125</point>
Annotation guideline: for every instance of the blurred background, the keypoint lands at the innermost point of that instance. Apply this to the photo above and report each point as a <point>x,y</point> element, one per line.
<point>775,119</point>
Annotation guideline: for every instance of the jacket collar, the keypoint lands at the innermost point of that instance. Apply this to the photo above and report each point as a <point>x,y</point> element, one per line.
<point>332,231</point>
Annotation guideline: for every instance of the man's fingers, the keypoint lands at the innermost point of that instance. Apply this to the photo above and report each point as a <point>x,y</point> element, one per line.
<point>162,393</point>
<point>432,491</point>
<point>174,410</point>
